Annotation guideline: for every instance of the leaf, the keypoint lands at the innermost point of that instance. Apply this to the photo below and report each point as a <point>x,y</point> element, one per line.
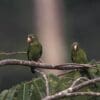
<point>33,90</point>
<point>40,83</point>
<point>23,92</point>
<point>53,82</point>
<point>3,94</point>
<point>11,93</point>
<point>36,89</point>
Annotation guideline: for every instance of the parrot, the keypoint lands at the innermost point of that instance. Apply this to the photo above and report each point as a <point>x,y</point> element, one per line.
<point>78,55</point>
<point>34,49</point>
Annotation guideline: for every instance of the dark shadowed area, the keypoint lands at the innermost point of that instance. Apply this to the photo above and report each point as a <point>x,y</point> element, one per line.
<point>15,22</point>
<point>83,21</point>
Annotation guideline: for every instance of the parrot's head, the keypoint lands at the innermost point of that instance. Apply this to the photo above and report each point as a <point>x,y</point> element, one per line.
<point>75,46</point>
<point>31,38</point>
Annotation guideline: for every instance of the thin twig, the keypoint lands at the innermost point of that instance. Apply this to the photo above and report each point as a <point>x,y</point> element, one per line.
<point>64,73</point>
<point>84,93</point>
<point>12,53</point>
<point>78,80</point>
<point>46,81</point>
<point>97,62</point>
<point>67,66</point>
<point>64,94</point>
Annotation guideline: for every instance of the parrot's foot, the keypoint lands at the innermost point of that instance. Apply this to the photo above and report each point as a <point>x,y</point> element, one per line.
<point>32,70</point>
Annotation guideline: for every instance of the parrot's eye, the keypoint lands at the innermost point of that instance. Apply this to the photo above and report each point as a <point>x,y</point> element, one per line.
<point>75,47</point>
<point>29,39</point>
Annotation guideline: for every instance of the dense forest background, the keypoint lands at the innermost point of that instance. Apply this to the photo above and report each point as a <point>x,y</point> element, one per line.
<point>82,24</point>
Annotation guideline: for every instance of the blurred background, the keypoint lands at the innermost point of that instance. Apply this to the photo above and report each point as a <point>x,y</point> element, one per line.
<point>57,23</point>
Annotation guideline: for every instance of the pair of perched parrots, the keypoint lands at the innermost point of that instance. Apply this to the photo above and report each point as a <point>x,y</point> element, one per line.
<point>78,55</point>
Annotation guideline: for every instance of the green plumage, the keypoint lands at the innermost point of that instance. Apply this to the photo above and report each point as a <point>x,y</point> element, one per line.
<point>79,56</point>
<point>34,50</point>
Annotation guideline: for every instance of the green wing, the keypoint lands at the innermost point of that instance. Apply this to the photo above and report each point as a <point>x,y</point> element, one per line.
<point>79,56</point>
<point>34,51</point>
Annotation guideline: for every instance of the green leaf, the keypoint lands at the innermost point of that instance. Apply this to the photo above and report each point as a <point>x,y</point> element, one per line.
<point>53,82</point>
<point>3,94</point>
<point>36,88</point>
<point>23,92</point>
<point>11,93</point>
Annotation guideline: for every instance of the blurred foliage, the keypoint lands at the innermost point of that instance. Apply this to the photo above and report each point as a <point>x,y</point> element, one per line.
<point>36,89</point>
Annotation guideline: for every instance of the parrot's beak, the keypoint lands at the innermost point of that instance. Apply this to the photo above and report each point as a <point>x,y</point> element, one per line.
<point>75,47</point>
<point>28,40</point>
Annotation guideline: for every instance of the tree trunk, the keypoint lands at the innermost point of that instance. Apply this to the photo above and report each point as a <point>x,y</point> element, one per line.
<point>49,24</point>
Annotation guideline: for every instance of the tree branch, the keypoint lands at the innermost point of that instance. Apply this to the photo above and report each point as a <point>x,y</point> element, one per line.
<point>12,53</point>
<point>46,81</point>
<point>67,66</point>
<point>64,94</point>
<point>78,80</point>
<point>71,91</point>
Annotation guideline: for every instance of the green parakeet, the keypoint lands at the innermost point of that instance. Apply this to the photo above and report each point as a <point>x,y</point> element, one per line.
<point>79,56</point>
<point>34,50</point>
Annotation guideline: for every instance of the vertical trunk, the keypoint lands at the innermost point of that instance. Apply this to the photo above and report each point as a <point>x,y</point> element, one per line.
<point>49,20</point>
